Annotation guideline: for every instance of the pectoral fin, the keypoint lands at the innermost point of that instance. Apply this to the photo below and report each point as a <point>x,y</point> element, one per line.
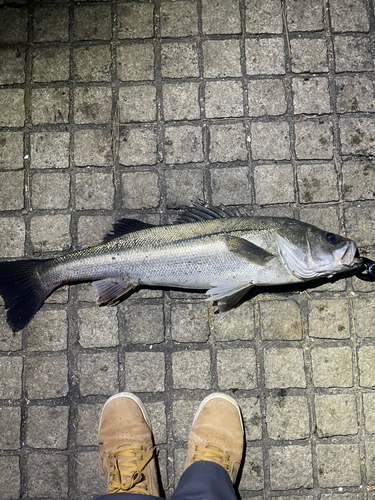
<point>108,291</point>
<point>228,295</point>
<point>246,250</point>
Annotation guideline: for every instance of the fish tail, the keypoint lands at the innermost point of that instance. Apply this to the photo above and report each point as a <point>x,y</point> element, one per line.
<point>22,291</point>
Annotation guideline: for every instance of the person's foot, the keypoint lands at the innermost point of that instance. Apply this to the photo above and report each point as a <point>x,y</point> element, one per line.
<point>126,446</point>
<point>217,434</point>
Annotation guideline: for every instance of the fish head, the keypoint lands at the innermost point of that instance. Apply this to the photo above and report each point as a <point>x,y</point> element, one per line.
<point>309,252</point>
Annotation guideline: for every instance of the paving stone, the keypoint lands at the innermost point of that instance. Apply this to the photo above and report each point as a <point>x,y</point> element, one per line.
<point>304,17</point>
<point>51,23</point>
<point>179,59</point>
<point>94,190</point>
<point>221,58</point>
<point>252,418</point>
<point>45,240</point>
<point>183,144</point>
<point>253,474</point>
<point>178,19</point>
<point>222,16</point>
<point>338,465</point>
<point>280,320</point>
<point>137,103</point>
<point>309,55</point>
<point>92,105</point>
<point>92,22</point>
<point>10,428</point>
<point>13,25</point>
<point>9,340</point>
<point>47,475</point>
<point>98,327</point>
<point>284,367</point>
<point>236,369</point>
<point>135,20</point>
<point>370,462</point>
<point>266,97</point>
<point>135,62</point>
<point>46,377</point>
<point>10,478</point>
<point>270,140</point>
<point>317,182</point>
<point>336,415</point>
<point>144,371</point>
<point>224,99</point>
<point>329,319</point>
<point>47,427</point>
<point>92,229</point>
<point>273,183</point>
<point>156,412</point>
<point>265,56</point>
<point>179,458</point>
<point>332,366</point>
<point>369,411</point>
<point>10,380</point>
<point>12,105</point>
<point>139,317</point>
<point>50,64</point>
<point>352,53</point>
<point>137,146</point>
<point>238,325</point>
<point>360,224</point>
<point>342,496</point>
<point>291,467</point>
<point>366,366</point>
<point>50,190</point>
<point>362,316</point>
<point>191,369</point>
<point>310,95</point>
<point>230,185</point>
<point>349,16</point>
<point>140,189</point>
<point>48,331</point>
<point>11,190</point>
<point>92,63</point>
<point>183,413</point>
<point>227,143</point>
<point>88,424</point>
<point>180,101</point>
<point>288,418</point>
<point>357,136</point>
<point>92,147</point>
<point>323,217</point>
<point>49,150</point>
<point>50,105</point>
<point>266,18</point>
<point>90,477</point>
<point>12,239</point>
<point>12,63</point>
<point>354,93</point>
<point>98,373</point>
<point>314,140</point>
<point>11,150</point>
<point>183,186</point>
<point>189,322</point>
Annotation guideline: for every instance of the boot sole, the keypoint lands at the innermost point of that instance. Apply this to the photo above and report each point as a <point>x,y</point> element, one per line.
<point>217,395</point>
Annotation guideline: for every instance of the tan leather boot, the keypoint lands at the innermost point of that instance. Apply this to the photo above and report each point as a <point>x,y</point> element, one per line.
<point>217,434</point>
<point>126,446</point>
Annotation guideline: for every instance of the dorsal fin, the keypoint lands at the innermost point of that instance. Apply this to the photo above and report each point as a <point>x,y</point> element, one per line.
<point>203,211</point>
<point>125,226</point>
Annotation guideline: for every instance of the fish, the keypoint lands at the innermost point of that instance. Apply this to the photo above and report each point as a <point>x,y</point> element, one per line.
<point>223,251</point>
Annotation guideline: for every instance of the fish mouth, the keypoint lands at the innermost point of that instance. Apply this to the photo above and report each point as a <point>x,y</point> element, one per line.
<point>346,255</point>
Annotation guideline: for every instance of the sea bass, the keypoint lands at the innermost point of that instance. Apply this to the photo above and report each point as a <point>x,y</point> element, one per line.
<point>212,248</point>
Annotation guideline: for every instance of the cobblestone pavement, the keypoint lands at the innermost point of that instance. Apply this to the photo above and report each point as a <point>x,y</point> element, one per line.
<point>112,109</point>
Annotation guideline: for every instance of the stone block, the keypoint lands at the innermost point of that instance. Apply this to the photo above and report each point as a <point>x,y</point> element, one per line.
<point>317,182</point>
<point>309,55</point>
<point>92,229</point>
<point>227,143</point>
<point>10,428</point>
<point>90,477</point>
<point>92,147</point>
<point>357,136</point>
<point>252,418</point>
<point>9,340</point>
<point>12,63</point>
<point>137,103</point>
<point>266,18</point>
<point>11,190</point>
<point>92,105</point>
<point>48,331</point>
<point>98,373</point>
<point>336,415</point>
<point>349,16</point>
<point>180,101</point>
<point>369,411</point>
<point>362,307</point>
<point>12,106</point>
<point>183,144</point>
<point>266,97</point>
<point>360,223</point>
<point>366,366</point>
<point>354,93</point>
<point>135,20</point>
<point>184,186</point>
<point>140,189</point>
<point>50,64</point>
<point>183,413</point>
<point>370,462</point>
<point>191,369</point>
<point>11,150</point>
<point>224,99</point>
<point>13,25</point>
<point>284,367</point>
<point>221,17</point>
<point>49,150</point>
<point>352,53</point>
<point>238,325</point>
<point>45,240</point>
<point>12,239</point>
<point>304,17</point>
<point>221,58</point>
<point>92,63</point>
<point>314,140</point>
<point>332,366</point>
<point>51,23</point>
<point>236,369</point>
<point>230,185</point>
<point>50,105</point>
<point>324,217</point>
<point>137,146</point>
<point>98,327</point>
<point>157,414</point>
<point>47,475</point>
<point>311,96</point>
<point>338,465</point>
<point>47,427</point>
<point>288,418</point>
<point>50,190</point>
<point>144,371</point>
<point>265,56</point>
<point>47,376</point>
<point>144,322</point>
<point>10,379</point>
<point>270,141</point>
<point>280,320</point>
<point>291,467</point>
<point>253,474</point>
<point>92,22</point>
<point>94,190</point>
<point>10,477</point>
<point>189,322</point>
<point>88,424</point>
<point>178,19</point>
<point>274,183</point>
<point>135,62</point>
<point>179,60</point>
<point>329,319</point>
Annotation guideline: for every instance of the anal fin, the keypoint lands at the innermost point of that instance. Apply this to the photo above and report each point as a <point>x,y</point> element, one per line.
<point>108,291</point>
<point>227,295</point>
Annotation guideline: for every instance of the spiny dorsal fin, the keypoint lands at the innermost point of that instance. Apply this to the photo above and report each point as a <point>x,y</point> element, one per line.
<point>248,251</point>
<point>203,211</point>
<point>125,226</point>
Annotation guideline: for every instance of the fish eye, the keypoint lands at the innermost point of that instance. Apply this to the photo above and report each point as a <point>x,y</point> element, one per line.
<point>331,238</point>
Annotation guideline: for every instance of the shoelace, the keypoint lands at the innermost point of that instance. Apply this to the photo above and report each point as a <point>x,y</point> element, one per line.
<point>125,462</point>
<point>212,455</point>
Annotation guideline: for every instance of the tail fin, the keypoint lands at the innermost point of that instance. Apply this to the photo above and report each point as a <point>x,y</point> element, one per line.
<point>22,291</point>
